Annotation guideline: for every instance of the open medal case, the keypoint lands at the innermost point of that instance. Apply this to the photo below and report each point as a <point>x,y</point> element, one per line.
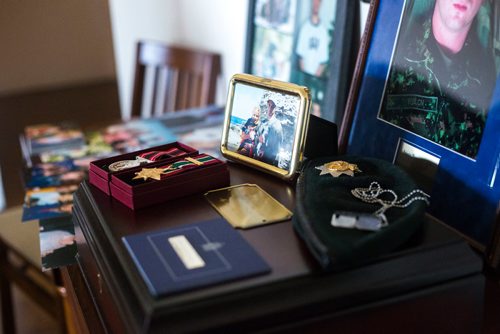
<point>100,173</point>
<point>181,170</point>
<point>191,178</point>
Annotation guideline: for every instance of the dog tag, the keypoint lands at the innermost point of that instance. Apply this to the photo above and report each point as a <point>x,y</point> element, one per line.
<point>357,220</point>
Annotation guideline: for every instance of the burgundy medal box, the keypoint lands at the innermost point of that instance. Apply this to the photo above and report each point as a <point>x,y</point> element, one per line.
<point>100,173</point>
<point>179,178</point>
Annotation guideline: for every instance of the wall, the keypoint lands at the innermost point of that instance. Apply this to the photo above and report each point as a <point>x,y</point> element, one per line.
<point>215,25</point>
<point>196,23</point>
<point>224,31</point>
<point>49,43</point>
<point>131,21</point>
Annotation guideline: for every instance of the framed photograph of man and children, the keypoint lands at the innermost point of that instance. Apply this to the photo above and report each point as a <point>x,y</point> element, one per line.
<point>429,100</point>
<point>307,42</point>
<point>265,124</point>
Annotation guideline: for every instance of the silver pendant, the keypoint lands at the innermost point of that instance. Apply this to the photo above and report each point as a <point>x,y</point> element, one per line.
<point>127,164</point>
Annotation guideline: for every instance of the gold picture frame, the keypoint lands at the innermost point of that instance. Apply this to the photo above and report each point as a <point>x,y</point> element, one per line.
<point>265,124</point>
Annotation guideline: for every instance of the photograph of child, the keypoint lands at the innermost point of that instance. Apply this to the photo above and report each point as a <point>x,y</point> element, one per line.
<point>248,134</point>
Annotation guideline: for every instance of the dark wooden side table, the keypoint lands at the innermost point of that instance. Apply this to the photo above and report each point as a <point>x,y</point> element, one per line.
<point>433,284</point>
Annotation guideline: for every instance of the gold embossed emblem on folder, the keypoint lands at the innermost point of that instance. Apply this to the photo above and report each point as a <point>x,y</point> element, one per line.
<point>247,205</point>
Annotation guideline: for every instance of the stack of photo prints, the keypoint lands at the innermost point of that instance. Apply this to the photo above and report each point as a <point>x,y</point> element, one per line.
<point>57,157</point>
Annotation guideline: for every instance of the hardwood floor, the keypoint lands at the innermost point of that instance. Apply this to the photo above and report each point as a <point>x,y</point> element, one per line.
<point>30,318</point>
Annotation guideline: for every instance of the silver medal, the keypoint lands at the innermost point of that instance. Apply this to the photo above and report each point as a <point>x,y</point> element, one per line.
<point>126,164</point>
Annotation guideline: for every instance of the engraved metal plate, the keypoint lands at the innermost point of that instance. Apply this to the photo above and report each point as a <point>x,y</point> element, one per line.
<point>247,205</point>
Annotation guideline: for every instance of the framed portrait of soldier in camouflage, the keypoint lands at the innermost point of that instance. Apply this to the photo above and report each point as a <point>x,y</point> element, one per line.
<point>440,86</point>
<point>306,42</point>
<point>426,96</point>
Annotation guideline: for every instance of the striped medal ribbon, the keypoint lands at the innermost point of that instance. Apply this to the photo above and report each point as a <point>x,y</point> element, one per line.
<point>175,168</point>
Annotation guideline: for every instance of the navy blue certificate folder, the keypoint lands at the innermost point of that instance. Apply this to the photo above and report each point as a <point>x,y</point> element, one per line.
<point>193,256</point>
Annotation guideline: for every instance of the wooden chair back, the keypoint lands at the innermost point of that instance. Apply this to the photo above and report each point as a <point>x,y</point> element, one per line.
<point>172,78</point>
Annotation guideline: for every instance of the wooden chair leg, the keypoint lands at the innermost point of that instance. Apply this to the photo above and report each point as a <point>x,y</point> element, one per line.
<point>61,313</point>
<point>8,320</point>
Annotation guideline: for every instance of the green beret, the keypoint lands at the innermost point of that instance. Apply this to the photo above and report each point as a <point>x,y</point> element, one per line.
<point>319,196</point>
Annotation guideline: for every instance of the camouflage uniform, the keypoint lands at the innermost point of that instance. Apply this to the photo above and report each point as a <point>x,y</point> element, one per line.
<point>444,98</point>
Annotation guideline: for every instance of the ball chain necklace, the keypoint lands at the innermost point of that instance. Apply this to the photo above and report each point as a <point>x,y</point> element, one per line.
<point>373,194</point>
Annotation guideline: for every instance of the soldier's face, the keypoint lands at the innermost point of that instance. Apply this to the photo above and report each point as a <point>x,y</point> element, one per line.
<point>457,15</point>
<point>270,110</point>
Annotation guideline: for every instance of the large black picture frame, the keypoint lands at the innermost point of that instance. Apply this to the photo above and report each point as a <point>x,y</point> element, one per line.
<point>283,26</point>
<point>465,190</point>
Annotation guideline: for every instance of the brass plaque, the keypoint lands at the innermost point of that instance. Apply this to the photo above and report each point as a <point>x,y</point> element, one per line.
<point>247,205</point>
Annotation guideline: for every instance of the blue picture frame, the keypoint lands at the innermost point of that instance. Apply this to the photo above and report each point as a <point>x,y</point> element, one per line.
<point>465,191</point>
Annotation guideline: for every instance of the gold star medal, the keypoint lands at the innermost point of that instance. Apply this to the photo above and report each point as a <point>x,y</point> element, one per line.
<point>149,173</point>
<point>337,168</point>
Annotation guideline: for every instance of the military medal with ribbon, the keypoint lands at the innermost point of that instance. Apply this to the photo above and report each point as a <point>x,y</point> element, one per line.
<point>144,158</point>
<point>337,168</point>
<point>175,168</point>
